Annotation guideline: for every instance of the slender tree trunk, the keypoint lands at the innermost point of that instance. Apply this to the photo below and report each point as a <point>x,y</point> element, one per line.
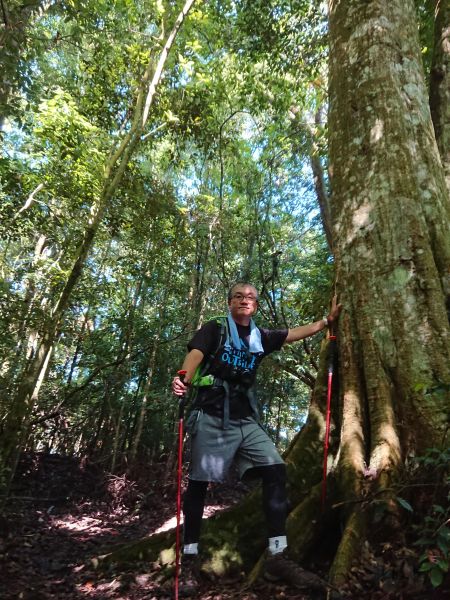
<point>94,441</point>
<point>27,337</point>
<point>132,418</point>
<point>144,405</point>
<point>123,373</point>
<point>24,430</point>
<point>200,276</point>
<point>80,339</point>
<point>319,184</point>
<point>117,434</point>
<point>440,83</point>
<point>85,321</point>
<point>151,368</point>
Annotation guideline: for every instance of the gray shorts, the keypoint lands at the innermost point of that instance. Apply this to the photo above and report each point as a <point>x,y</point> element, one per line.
<point>213,448</point>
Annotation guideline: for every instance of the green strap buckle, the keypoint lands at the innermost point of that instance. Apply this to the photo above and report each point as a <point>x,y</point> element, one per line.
<point>203,381</point>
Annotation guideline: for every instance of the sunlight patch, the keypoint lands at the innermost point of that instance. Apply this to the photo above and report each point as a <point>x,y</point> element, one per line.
<point>172,522</point>
<point>376,133</point>
<point>361,216</point>
<point>78,525</point>
<point>387,450</point>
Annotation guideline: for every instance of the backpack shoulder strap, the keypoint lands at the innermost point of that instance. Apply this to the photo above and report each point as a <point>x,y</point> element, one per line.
<point>224,334</point>
<point>200,373</point>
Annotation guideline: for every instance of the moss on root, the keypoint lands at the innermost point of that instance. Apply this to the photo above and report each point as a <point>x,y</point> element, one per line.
<point>230,540</point>
<point>158,547</point>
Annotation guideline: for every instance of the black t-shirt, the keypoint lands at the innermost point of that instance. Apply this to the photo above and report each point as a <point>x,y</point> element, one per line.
<point>207,339</point>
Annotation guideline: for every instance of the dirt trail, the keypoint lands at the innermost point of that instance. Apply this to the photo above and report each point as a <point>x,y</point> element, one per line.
<point>62,513</point>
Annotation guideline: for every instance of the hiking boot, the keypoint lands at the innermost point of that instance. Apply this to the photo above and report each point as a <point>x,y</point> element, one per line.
<point>279,567</point>
<point>188,581</point>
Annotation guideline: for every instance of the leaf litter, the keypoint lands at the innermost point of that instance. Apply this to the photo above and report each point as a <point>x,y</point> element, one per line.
<point>63,512</point>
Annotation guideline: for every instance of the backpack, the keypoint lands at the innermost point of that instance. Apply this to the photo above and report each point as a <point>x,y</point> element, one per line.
<point>233,376</point>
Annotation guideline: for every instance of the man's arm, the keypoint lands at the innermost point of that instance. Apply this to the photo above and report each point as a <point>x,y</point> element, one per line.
<point>190,364</point>
<point>304,331</point>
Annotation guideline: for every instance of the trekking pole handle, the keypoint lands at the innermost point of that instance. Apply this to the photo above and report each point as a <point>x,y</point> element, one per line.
<point>182,374</point>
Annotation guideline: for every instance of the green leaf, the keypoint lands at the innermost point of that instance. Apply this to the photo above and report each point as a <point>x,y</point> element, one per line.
<point>436,576</point>
<point>406,505</point>
<point>438,509</point>
<point>420,387</point>
<point>443,564</point>
<point>423,541</point>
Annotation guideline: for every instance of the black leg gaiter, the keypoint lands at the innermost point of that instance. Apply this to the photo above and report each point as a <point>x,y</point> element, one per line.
<point>193,505</point>
<point>274,497</point>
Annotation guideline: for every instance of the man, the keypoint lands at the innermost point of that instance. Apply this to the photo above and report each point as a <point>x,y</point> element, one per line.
<point>221,365</point>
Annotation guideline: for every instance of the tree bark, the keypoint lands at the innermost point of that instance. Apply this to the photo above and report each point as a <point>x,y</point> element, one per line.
<point>391,217</point>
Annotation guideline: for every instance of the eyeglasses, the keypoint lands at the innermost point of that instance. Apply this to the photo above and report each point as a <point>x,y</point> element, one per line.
<point>238,296</point>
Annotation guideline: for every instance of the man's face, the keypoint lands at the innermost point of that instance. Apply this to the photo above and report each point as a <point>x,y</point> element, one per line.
<point>243,301</point>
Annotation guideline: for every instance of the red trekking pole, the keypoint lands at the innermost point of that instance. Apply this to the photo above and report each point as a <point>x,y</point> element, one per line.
<point>181,406</point>
<point>331,356</point>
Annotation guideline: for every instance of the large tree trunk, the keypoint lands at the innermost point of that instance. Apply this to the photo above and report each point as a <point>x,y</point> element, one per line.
<point>392,242</point>
<point>391,238</point>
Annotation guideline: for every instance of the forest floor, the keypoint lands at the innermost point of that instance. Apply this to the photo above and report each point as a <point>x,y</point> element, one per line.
<point>63,513</point>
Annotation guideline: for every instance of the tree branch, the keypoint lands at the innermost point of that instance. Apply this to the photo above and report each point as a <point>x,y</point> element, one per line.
<point>29,200</point>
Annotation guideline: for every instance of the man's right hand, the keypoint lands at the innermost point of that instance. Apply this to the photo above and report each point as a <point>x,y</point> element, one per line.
<point>178,387</point>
